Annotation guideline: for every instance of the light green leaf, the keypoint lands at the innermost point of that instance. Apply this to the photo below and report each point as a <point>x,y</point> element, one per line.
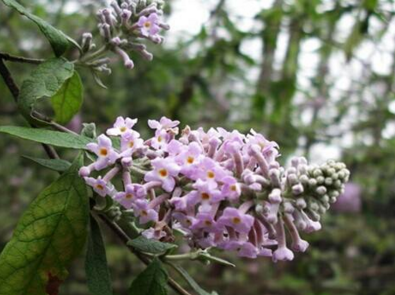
<point>143,244</point>
<point>152,281</point>
<point>53,164</point>
<point>49,137</point>
<point>97,273</point>
<point>45,81</point>
<point>195,286</point>
<point>68,100</point>
<point>57,39</point>
<point>50,234</point>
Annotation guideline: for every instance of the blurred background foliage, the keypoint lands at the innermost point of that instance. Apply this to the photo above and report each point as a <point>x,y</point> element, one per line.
<point>317,76</point>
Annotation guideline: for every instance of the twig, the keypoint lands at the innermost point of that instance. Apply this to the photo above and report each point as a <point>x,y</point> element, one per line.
<point>9,81</point>
<point>125,239</point>
<point>21,59</point>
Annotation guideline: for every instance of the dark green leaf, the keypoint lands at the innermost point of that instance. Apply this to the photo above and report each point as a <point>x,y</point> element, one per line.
<point>53,164</point>
<point>152,281</point>
<point>68,100</point>
<point>57,39</point>
<point>49,137</point>
<point>45,81</point>
<point>195,286</point>
<point>97,272</point>
<point>150,246</point>
<point>50,234</point>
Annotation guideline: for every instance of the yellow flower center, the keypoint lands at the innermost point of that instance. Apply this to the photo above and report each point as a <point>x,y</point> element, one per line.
<point>147,25</point>
<point>129,196</point>
<point>233,188</point>
<point>103,152</point>
<point>131,143</point>
<point>205,196</point>
<point>163,172</point>
<point>236,220</point>
<point>123,129</point>
<point>210,174</point>
<point>190,160</point>
<point>159,138</point>
<point>208,223</point>
<point>100,187</point>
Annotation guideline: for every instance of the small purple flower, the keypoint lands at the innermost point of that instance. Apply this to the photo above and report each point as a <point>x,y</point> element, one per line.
<point>103,149</point>
<point>165,170</point>
<point>206,222</point>
<point>130,142</point>
<point>189,158</point>
<point>99,185</point>
<point>164,123</point>
<point>130,195</point>
<point>161,140</point>
<point>209,170</point>
<point>231,189</point>
<point>206,192</point>
<point>149,26</point>
<point>121,126</point>
<point>233,218</point>
<point>144,212</point>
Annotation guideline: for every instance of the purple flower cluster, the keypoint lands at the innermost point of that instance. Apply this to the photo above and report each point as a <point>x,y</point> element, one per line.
<point>122,27</point>
<point>218,188</point>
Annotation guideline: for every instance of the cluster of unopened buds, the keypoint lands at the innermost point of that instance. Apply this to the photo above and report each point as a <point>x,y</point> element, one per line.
<point>218,188</point>
<point>122,27</point>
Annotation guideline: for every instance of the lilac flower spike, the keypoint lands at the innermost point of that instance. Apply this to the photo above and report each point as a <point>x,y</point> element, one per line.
<point>123,29</point>
<point>218,188</point>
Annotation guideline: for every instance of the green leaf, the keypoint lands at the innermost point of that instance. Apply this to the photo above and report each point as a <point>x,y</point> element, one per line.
<point>195,286</point>
<point>97,273</point>
<point>53,164</point>
<point>143,244</point>
<point>45,81</point>
<point>50,234</point>
<point>152,281</point>
<point>57,39</point>
<point>55,138</point>
<point>68,100</point>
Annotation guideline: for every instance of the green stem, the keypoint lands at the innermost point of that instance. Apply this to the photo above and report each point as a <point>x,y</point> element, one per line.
<point>85,59</point>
